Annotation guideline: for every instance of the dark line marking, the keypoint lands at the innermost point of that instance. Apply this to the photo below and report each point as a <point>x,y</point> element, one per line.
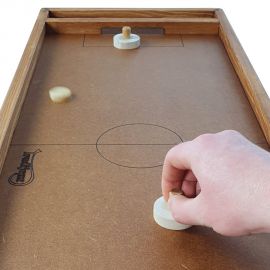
<point>124,125</point>
<point>60,144</point>
<point>182,41</point>
<point>49,144</point>
<point>132,124</point>
<point>84,41</point>
<point>143,46</point>
<point>137,143</point>
<point>132,167</point>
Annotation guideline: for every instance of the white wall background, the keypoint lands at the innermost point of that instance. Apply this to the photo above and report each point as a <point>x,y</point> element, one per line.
<point>250,20</point>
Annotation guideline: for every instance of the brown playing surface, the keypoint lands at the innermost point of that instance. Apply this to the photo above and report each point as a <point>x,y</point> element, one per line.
<point>98,175</point>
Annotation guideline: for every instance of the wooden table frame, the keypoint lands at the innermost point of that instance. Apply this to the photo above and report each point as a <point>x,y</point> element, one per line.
<point>90,21</point>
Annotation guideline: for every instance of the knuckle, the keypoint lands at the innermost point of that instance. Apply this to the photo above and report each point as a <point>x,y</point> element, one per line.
<point>231,137</point>
<point>205,139</point>
<point>169,154</point>
<point>230,132</point>
<point>209,140</point>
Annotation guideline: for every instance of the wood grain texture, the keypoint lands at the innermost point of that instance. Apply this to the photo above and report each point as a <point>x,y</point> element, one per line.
<point>255,92</point>
<point>14,100</point>
<point>170,25</point>
<point>130,13</point>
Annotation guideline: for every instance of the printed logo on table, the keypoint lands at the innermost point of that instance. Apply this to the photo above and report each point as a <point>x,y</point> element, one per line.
<point>25,172</point>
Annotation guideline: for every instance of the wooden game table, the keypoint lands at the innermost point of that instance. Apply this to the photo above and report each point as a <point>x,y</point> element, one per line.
<point>79,179</point>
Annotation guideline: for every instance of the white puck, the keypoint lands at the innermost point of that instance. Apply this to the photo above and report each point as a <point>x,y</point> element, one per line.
<point>59,94</point>
<point>163,217</point>
<point>122,43</point>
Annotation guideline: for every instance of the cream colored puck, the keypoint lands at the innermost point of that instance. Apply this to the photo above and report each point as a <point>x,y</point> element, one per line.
<point>122,43</point>
<point>59,94</point>
<point>163,217</point>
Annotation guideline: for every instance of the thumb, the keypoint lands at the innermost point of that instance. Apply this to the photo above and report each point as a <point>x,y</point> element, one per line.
<point>185,210</point>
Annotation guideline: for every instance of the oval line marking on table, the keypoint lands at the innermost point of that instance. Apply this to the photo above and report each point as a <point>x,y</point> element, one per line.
<point>134,144</point>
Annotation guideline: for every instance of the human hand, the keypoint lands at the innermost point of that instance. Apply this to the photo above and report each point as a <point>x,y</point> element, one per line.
<point>225,180</point>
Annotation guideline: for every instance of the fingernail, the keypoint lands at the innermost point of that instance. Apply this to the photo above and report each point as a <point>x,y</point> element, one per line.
<point>175,192</point>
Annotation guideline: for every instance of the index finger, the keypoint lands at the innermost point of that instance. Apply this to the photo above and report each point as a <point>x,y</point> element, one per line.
<point>176,162</point>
